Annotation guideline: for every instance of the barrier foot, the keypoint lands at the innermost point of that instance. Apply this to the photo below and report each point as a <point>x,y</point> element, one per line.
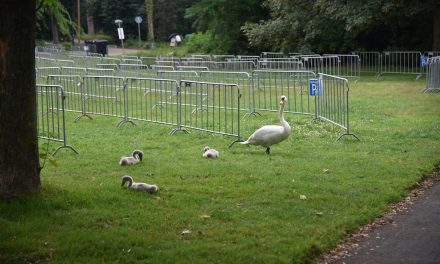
<point>65,146</point>
<point>432,90</point>
<point>179,129</point>
<point>348,134</point>
<point>252,113</point>
<point>79,117</point>
<point>122,122</point>
<point>235,141</point>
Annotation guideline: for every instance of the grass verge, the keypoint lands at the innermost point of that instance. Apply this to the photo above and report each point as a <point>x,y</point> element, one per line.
<point>243,207</point>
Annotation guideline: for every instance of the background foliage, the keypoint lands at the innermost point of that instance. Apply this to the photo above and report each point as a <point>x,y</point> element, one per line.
<point>251,26</point>
<point>327,26</point>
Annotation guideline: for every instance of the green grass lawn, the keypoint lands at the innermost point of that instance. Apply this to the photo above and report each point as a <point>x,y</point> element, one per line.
<point>243,207</point>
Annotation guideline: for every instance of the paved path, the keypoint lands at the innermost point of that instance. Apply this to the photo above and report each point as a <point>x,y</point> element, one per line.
<point>412,238</point>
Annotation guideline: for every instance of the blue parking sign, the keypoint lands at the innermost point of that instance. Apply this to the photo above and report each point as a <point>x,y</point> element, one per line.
<point>424,61</point>
<point>315,87</point>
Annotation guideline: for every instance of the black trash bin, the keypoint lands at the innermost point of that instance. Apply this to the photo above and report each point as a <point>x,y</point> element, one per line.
<point>97,46</point>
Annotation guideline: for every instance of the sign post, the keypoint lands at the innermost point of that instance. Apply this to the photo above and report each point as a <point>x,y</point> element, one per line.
<point>138,20</point>
<point>120,33</point>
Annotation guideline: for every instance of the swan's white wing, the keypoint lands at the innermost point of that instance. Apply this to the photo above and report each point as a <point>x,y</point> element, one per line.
<point>267,135</point>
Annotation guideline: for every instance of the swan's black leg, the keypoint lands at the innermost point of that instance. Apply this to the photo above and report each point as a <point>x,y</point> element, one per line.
<point>268,150</point>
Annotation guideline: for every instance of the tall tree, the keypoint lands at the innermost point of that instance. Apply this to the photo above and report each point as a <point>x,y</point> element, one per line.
<point>169,17</point>
<point>149,4</point>
<point>54,13</point>
<point>90,6</point>
<point>222,19</point>
<point>339,26</point>
<point>19,159</point>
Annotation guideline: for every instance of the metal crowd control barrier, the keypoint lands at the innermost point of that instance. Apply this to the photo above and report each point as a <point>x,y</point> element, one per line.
<point>131,57</point>
<point>135,70</point>
<point>72,87</point>
<point>242,79</point>
<point>369,61</point>
<point>204,57</point>
<point>67,63</point>
<point>178,75</point>
<point>433,76</point>
<point>211,107</point>
<point>45,62</point>
<point>104,95</point>
<point>100,72</point>
<point>193,63</point>
<point>152,100</point>
<point>324,64</point>
<point>51,119</point>
<point>73,71</point>
<point>167,58</point>
<point>91,62</point>
<point>222,57</point>
<point>43,54</point>
<point>162,67</point>
<point>268,86</point>
<point>193,59</point>
<point>110,60</point>
<point>235,65</point>
<point>127,60</point>
<point>252,58</point>
<point>170,63</point>
<point>401,62</point>
<point>43,72</point>
<point>332,103</point>
<point>349,66</point>
<point>148,60</point>
<point>280,64</point>
<point>192,68</point>
<point>111,66</point>
<point>267,54</point>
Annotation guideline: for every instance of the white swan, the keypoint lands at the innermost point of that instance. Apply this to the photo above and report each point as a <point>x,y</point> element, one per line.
<point>269,135</point>
<point>210,153</point>
<point>137,156</point>
<point>138,186</point>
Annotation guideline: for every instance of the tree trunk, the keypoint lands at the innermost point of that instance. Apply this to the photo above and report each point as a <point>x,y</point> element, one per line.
<point>55,32</point>
<point>149,4</point>
<point>90,24</point>
<point>436,28</point>
<point>19,158</point>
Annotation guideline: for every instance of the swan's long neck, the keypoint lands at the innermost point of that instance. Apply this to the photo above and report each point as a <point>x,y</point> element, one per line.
<point>282,121</point>
<point>129,180</point>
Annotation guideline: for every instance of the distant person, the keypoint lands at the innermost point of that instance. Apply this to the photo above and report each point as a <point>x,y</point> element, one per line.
<point>178,40</point>
<point>173,42</point>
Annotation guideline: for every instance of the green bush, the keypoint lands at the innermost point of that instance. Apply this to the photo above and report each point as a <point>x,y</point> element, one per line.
<point>200,43</point>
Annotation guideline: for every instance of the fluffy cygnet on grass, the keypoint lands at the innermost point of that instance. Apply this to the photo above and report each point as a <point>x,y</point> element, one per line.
<point>210,153</point>
<point>136,157</point>
<point>138,186</point>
